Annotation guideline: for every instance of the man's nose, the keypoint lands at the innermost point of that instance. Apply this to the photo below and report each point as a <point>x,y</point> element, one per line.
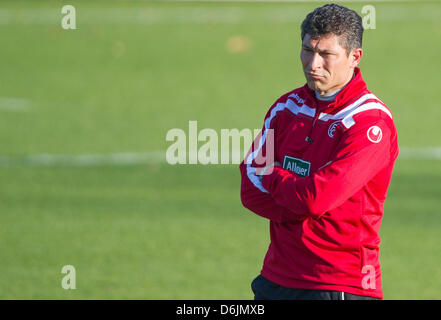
<point>316,61</point>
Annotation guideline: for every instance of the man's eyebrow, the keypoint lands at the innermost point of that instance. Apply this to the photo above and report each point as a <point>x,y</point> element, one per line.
<point>320,51</point>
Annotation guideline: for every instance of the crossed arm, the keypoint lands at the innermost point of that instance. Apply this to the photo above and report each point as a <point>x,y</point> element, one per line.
<point>282,196</point>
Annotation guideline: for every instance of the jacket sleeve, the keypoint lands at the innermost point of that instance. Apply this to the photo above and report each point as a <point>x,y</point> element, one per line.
<point>253,196</point>
<point>355,162</point>
<point>262,203</point>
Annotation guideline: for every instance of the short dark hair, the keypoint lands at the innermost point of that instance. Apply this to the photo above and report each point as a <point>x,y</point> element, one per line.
<point>338,20</point>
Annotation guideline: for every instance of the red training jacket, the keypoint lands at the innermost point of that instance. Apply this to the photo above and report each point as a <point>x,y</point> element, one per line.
<point>325,203</point>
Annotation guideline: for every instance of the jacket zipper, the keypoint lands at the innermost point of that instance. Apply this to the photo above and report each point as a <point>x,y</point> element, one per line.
<point>308,137</point>
<point>316,115</point>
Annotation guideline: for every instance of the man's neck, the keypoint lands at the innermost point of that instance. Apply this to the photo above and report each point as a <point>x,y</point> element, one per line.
<point>330,96</point>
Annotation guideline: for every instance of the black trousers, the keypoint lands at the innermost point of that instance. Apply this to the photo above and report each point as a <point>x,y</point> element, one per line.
<point>265,289</point>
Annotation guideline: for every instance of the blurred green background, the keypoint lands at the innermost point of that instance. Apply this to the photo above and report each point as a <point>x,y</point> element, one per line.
<point>131,71</point>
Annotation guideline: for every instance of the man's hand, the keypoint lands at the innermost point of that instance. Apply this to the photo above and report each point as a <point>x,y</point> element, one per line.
<point>260,172</point>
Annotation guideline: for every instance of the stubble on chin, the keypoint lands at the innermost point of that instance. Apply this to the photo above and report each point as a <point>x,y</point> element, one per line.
<point>314,85</point>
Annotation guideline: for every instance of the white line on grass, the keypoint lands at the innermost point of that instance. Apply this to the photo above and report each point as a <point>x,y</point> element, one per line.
<point>429,153</point>
<point>137,158</point>
<point>14,104</point>
<point>82,160</point>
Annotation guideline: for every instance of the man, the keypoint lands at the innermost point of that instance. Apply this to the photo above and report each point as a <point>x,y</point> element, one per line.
<point>335,145</point>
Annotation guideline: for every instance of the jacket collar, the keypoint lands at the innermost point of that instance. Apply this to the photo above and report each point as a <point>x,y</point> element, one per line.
<point>351,92</point>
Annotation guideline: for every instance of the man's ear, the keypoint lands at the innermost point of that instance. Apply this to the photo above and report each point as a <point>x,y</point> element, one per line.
<point>355,56</point>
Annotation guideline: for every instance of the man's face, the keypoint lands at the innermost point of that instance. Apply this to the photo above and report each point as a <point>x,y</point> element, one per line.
<point>326,65</point>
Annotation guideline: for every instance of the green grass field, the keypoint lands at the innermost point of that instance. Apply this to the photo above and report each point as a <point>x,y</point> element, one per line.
<point>131,71</point>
